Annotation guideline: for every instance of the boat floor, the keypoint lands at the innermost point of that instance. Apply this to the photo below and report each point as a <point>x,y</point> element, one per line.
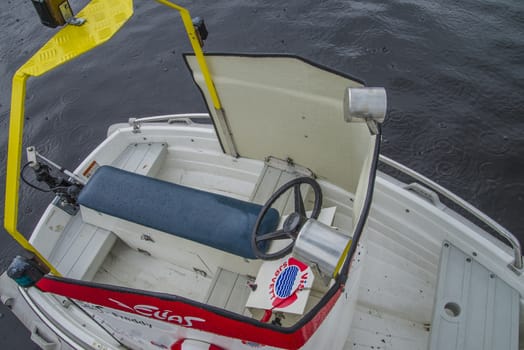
<point>372,328</point>
<point>126,267</point>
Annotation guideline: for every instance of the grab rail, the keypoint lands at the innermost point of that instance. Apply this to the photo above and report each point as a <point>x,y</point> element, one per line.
<point>69,338</point>
<point>511,239</point>
<point>170,118</point>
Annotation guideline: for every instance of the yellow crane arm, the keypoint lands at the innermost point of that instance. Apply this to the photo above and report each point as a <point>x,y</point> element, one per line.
<point>103,19</point>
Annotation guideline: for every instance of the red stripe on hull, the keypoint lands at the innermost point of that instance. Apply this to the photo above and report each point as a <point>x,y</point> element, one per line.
<point>183,314</point>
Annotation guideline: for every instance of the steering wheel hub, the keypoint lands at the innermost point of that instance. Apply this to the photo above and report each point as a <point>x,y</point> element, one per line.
<point>293,222</point>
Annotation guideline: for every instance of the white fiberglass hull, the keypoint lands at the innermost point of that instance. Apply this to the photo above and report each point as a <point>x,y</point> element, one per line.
<point>389,300</point>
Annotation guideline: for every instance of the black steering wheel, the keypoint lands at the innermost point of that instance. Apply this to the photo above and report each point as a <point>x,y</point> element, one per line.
<point>293,223</point>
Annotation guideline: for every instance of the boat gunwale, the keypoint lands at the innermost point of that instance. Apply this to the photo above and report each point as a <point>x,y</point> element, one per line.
<point>514,243</point>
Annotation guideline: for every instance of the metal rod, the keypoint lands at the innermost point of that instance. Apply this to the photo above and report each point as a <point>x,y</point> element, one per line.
<point>512,240</point>
<point>59,168</point>
<point>163,118</point>
<point>137,122</point>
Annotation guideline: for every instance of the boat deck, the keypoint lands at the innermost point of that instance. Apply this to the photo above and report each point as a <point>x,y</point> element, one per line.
<point>126,267</point>
<point>388,331</point>
<point>396,289</point>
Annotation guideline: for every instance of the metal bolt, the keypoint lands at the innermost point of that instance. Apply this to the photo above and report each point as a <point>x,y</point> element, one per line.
<point>7,301</point>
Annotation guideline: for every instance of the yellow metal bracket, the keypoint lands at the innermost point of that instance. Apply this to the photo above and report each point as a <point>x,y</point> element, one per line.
<point>103,19</point>
<point>195,43</point>
<point>342,259</point>
<point>225,130</point>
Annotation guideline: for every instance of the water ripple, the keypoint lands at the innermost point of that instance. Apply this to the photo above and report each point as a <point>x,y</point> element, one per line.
<point>494,143</point>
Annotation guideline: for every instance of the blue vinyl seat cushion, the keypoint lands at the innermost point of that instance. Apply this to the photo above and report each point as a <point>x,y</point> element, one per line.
<point>214,220</point>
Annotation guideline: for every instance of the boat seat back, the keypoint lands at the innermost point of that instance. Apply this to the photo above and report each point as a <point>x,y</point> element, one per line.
<point>214,220</point>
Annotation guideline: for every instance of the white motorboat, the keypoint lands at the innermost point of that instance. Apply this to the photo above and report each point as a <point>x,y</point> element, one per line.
<point>263,223</point>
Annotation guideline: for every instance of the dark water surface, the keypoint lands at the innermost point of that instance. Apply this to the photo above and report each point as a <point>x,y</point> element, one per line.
<point>454,72</point>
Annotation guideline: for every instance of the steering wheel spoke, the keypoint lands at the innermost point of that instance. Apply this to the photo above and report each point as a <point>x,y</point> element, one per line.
<point>279,234</point>
<point>299,202</point>
<point>294,222</point>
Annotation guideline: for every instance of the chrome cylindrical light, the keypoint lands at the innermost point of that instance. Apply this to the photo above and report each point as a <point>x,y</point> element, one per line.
<point>320,245</point>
